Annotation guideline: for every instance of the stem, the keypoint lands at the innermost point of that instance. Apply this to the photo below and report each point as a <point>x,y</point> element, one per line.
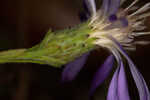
<point>56,49</point>
<point>15,56</point>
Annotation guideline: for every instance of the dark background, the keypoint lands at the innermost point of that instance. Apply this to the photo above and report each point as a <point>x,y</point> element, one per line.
<point>23,23</point>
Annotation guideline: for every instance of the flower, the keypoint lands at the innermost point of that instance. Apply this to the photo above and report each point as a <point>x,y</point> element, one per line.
<point>115,29</point>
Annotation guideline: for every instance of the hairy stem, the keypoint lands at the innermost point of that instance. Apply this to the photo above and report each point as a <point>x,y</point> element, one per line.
<point>56,49</point>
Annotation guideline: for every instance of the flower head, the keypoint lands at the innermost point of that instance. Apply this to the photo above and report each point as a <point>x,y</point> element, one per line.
<point>120,24</point>
<point>115,29</point>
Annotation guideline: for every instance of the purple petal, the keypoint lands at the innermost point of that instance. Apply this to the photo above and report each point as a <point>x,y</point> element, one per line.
<point>139,81</point>
<point>105,6</point>
<point>123,92</point>
<point>72,69</point>
<point>87,12</point>
<point>114,6</point>
<point>118,89</point>
<point>102,73</point>
<point>110,7</point>
<point>138,78</point>
<point>91,6</point>
<point>113,88</point>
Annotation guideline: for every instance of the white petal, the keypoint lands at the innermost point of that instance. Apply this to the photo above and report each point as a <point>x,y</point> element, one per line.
<point>141,10</point>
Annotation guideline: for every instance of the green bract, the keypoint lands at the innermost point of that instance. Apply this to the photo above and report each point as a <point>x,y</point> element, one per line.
<point>56,49</point>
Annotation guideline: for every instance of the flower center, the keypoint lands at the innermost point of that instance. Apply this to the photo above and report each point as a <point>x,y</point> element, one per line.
<point>104,26</point>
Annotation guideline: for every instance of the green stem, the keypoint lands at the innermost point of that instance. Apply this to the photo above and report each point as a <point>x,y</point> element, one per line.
<point>56,49</point>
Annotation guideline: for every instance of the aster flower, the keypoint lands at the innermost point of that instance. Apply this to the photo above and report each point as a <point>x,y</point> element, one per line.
<point>114,29</point>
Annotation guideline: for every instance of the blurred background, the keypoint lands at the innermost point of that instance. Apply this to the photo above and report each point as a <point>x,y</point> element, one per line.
<point>23,23</point>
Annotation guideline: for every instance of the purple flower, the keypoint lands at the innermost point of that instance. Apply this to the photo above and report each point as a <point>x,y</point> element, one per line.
<point>115,30</point>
